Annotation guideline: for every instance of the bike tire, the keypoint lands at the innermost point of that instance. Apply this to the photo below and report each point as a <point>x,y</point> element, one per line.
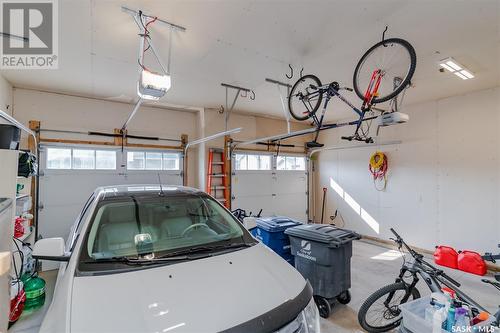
<point>295,113</point>
<point>363,310</point>
<point>406,81</point>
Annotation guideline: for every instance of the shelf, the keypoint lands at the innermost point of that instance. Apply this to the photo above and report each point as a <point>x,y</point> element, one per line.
<point>20,196</point>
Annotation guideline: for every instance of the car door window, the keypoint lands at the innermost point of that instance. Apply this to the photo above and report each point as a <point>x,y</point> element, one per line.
<point>77,227</point>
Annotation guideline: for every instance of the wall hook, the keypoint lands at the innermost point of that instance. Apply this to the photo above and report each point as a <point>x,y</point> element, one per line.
<point>252,96</point>
<point>301,71</point>
<point>291,72</point>
<point>383,33</point>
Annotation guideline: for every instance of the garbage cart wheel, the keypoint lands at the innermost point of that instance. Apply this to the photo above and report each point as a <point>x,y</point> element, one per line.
<point>324,306</point>
<point>344,297</point>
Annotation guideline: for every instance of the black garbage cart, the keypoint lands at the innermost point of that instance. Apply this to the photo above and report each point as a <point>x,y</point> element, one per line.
<point>323,256</point>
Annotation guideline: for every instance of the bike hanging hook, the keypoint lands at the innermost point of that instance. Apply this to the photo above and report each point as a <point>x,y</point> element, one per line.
<point>302,70</point>
<point>291,72</point>
<point>383,33</point>
<point>252,96</point>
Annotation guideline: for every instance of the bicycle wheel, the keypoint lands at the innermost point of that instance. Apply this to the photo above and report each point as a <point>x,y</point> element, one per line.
<point>396,58</point>
<point>374,316</point>
<point>305,98</point>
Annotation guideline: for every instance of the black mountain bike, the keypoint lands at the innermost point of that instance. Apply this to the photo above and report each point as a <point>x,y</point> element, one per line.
<point>380,312</point>
<point>383,72</point>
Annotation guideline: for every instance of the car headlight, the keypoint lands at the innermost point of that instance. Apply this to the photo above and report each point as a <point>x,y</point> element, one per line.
<point>311,317</point>
<point>306,322</point>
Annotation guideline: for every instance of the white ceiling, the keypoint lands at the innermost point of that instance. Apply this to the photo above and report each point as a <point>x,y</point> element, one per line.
<point>242,42</point>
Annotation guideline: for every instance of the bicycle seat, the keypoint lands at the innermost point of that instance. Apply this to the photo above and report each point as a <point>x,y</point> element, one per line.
<point>314,144</point>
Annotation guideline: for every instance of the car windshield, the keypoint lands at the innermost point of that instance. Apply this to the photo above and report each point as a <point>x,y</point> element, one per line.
<point>155,226</point>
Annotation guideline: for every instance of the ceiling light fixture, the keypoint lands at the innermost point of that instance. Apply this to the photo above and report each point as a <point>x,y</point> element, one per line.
<point>456,68</point>
<point>152,85</point>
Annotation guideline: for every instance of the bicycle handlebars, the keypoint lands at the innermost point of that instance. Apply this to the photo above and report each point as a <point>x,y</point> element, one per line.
<point>419,258</point>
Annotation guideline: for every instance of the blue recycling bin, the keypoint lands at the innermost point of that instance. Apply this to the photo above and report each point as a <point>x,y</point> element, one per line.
<point>271,232</point>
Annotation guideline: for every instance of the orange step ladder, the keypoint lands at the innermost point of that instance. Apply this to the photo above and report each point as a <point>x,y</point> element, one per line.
<point>217,181</point>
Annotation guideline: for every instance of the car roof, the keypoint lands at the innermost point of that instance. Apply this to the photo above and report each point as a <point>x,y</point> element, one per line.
<point>114,191</point>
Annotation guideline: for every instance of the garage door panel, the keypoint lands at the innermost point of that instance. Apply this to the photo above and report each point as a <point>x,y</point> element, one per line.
<point>246,183</point>
<point>290,182</point>
<point>293,204</point>
<point>253,203</point>
<point>277,192</point>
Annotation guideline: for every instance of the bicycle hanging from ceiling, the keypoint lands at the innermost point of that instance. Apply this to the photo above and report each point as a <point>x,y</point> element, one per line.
<point>385,70</point>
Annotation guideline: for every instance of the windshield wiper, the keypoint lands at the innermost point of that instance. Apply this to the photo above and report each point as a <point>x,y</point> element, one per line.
<point>206,248</point>
<point>135,260</point>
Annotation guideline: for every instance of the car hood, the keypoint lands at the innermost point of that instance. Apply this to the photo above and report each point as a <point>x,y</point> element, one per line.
<point>204,295</point>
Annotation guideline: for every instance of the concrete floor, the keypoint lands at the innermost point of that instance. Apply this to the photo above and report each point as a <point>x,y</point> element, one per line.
<point>372,267</point>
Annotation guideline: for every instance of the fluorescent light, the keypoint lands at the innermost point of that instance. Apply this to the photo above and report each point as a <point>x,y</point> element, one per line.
<point>456,68</point>
<point>453,65</point>
<point>153,85</point>
<point>460,75</point>
<point>467,73</point>
<point>445,66</point>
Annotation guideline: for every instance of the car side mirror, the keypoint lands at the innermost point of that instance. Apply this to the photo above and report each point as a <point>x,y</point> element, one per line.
<point>50,249</point>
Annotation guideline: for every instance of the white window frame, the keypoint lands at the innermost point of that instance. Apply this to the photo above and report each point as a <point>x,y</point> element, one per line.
<point>258,154</point>
<point>78,147</point>
<point>163,153</point>
<point>290,170</point>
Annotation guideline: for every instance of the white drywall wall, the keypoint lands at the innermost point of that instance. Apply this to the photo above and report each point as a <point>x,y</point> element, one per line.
<point>5,96</point>
<point>443,181</point>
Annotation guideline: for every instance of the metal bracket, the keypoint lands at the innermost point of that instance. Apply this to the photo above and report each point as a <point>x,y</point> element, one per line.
<point>230,108</point>
<point>283,104</point>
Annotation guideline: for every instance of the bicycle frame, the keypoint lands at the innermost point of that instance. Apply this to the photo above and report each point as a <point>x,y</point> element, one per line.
<point>332,90</point>
<point>433,282</point>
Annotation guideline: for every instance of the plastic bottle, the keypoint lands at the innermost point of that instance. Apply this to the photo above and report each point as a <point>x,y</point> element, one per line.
<point>439,320</point>
<point>429,311</point>
<point>450,319</point>
<point>461,320</point>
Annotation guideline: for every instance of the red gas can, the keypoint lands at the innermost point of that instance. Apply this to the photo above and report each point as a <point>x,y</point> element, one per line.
<point>471,262</point>
<point>446,256</point>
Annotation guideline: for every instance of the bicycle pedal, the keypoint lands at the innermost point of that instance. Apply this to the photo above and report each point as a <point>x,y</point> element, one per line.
<point>314,144</point>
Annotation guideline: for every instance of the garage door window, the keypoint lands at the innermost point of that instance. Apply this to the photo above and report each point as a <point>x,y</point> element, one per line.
<point>80,159</point>
<point>58,158</point>
<point>252,162</point>
<point>83,159</point>
<point>152,161</point>
<point>297,163</point>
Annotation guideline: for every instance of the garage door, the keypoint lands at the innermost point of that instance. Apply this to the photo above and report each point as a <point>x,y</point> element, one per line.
<point>69,174</point>
<point>275,184</point>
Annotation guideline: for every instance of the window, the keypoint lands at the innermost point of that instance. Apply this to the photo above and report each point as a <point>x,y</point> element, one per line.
<point>297,163</point>
<point>135,160</point>
<point>105,160</point>
<point>139,160</point>
<point>252,162</point>
<point>153,161</point>
<point>58,158</point>
<point>171,161</point>
<point>81,159</point>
